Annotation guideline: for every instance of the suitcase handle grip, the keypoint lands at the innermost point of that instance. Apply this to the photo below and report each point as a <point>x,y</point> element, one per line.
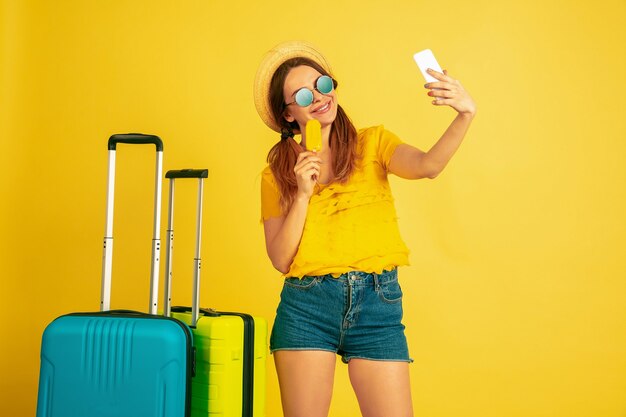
<point>209,312</point>
<point>135,139</point>
<point>187,173</point>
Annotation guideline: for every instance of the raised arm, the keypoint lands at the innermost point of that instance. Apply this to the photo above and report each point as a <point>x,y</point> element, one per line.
<point>412,163</point>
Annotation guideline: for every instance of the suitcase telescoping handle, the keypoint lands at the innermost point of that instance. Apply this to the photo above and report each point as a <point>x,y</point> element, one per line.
<point>172,175</point>
<point>107,257</point>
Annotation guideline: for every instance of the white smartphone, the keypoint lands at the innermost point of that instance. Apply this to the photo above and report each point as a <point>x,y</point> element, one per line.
<point>424,60</point>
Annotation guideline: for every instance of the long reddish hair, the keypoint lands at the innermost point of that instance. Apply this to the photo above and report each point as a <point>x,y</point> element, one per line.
<point>283,155</point>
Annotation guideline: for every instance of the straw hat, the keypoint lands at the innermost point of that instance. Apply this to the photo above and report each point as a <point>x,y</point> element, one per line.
<point>270,63</point>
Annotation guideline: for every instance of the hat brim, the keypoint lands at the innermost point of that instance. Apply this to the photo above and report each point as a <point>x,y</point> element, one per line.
<point>274,58</point>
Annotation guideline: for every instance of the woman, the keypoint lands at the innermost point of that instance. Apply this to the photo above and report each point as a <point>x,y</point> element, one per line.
<point>330,228</point>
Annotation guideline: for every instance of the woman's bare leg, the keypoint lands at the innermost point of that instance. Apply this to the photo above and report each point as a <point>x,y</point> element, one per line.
<point>382,388</point>
<point>306,381</point>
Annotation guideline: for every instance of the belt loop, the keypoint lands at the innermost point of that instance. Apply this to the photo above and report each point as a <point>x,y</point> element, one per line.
<point>376,284</point>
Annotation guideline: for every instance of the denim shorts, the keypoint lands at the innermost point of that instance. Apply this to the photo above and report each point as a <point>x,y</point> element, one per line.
<point>357,315</point>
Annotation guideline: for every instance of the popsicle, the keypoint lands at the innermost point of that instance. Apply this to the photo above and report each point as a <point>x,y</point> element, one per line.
<point>313,135</point>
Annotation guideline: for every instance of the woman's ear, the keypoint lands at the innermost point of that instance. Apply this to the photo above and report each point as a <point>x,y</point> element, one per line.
<point>287,116</point>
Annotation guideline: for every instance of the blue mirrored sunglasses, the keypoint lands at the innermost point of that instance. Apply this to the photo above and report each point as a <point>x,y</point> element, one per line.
<point>304,96</point>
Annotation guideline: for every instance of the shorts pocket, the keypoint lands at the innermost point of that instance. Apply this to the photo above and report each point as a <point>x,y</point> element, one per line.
<point>390,291</point>
<point>304,284</point>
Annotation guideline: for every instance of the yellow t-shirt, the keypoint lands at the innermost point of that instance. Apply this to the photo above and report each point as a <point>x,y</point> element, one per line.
<point>351,226</point>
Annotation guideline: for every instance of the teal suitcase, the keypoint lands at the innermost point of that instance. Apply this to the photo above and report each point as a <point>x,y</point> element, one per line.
<point>118,363</point>
<point>115,364</point>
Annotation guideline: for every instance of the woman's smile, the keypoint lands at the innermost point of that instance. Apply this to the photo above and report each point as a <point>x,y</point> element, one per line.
<point>323,108</point>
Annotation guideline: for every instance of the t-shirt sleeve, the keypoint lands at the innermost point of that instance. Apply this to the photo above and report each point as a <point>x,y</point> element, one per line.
<point>388,142</point>
<point>270,196</point>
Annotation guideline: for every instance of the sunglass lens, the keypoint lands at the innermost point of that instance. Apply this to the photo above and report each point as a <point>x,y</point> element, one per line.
<point>304,97</point>
<point>325,84</point>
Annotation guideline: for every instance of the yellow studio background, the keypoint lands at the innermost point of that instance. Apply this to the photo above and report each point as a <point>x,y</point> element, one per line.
<point>515,299</point>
